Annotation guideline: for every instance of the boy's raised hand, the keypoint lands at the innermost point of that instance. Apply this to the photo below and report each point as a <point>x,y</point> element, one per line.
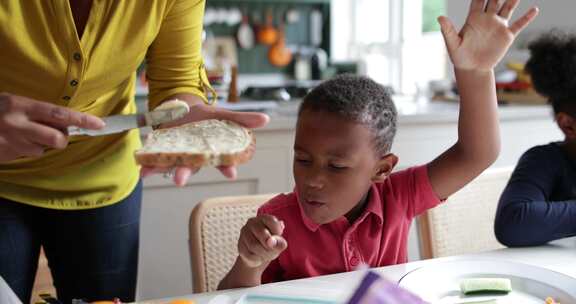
<point>486,35</point>
<point>261,240</point>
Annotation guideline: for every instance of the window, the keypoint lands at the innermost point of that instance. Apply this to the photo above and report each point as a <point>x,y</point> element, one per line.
<point>431,9</point>
<point>370,26</point>
<point>396,42</point>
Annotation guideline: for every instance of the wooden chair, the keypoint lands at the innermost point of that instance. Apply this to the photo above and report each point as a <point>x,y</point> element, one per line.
<point>214,230</point>
<point>465,223</point>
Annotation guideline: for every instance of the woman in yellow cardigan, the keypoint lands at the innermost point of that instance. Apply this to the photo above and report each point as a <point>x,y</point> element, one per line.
<point>66,63</point>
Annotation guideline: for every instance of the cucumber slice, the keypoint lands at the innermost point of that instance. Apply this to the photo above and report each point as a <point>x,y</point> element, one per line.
<point>481,302</point>
<point>485,285</point>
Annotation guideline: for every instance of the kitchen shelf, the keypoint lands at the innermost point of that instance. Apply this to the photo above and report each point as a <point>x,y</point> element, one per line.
<point>254,60</point>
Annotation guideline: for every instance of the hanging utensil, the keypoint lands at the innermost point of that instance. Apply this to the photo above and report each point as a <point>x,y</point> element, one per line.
<point>279,55</point>
<point>245,34</point>
<point>267,34</point>
<point>316,28</point>
<point>221,15</point>
<point>209,16</point>
<point>234,16</point>
<point>292,16</point>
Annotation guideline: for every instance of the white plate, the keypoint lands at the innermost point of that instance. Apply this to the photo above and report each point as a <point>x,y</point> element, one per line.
<point>440,283</point>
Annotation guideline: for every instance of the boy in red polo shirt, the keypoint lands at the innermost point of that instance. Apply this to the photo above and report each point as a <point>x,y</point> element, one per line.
<point>348,207</point>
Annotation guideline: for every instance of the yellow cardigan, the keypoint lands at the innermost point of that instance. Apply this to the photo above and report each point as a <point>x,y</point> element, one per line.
<point>41,57</point>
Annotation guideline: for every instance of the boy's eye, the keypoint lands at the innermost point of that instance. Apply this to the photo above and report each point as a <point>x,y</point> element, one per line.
<point>302,160</point>
<point>338,167</point>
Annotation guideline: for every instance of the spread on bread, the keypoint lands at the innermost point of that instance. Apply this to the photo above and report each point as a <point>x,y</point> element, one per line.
<point>208,142</point>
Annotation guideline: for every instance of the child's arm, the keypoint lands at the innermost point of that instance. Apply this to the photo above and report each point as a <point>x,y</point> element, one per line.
<point>474,51</point>
<point>527,216</point>
<point>260,242</point>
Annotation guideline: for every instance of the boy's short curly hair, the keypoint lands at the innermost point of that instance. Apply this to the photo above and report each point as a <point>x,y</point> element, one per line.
<point>552,67</point>
<point>359,99</point>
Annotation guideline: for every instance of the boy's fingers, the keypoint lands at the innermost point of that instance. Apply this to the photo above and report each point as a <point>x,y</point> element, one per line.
<point>477,5</point>
<point>260,232</point>
<point>279,244</point>
<point>523,22</point>
<point>508,8</point>
<point>255,247</point>
<point>493,6</point>
<point>274,225</point>
<point>244,244</point>
<point>263,252</point>
<point>271,242</point>
<point>255,254</point>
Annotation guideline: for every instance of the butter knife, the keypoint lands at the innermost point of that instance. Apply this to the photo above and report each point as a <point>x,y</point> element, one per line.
<point>121,123</point>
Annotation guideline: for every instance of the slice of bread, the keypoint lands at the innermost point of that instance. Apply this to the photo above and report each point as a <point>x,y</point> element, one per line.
<point>204,143</point>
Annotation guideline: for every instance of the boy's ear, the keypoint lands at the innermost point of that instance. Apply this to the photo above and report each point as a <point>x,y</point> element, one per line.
<point>567,124</point>
<point>385,166</point>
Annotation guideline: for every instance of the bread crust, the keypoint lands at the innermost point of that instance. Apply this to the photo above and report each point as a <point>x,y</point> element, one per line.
<point>173,159</point>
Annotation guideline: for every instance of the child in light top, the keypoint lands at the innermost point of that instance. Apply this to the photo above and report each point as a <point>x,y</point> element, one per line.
<point>348,207</point>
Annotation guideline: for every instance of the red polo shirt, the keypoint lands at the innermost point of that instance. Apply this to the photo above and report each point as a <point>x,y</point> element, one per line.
<point>377,238</point>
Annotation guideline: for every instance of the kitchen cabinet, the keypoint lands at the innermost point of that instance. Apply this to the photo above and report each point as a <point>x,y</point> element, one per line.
<point>424,131</point>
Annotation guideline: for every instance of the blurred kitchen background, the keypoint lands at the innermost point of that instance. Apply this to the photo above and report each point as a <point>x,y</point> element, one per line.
<point>261,52</point>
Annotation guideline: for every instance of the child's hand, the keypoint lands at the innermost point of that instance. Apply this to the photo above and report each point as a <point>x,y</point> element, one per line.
<point>486,36</point>
<point>261,241</point>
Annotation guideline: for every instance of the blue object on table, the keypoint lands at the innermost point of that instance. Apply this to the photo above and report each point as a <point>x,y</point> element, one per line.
<point>374,289</point>
<point>277,299</point>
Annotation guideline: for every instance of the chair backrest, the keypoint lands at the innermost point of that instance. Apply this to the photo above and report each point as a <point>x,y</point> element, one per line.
<point>465,223</point>
<point>214,229</point>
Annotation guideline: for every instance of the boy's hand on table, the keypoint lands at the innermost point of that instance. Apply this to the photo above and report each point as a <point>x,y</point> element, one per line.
<point>486,35</point>
<point>261,240</point>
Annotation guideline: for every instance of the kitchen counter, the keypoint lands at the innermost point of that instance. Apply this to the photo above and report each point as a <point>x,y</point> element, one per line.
<point>283,114</point>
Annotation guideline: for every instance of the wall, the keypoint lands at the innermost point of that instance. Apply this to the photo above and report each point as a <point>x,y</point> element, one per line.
<point>553,14</point>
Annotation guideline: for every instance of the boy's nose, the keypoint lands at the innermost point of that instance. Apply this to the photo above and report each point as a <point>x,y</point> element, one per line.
<point>315,184</point>
<point>315,181</point>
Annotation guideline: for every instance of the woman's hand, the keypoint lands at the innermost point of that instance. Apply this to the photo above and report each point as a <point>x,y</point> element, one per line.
<point>28,127</point>
<point>486,35</point>
<point>199,112</point>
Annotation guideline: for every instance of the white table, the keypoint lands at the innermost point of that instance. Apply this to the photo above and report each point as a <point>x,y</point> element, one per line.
<point>559,256</point>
